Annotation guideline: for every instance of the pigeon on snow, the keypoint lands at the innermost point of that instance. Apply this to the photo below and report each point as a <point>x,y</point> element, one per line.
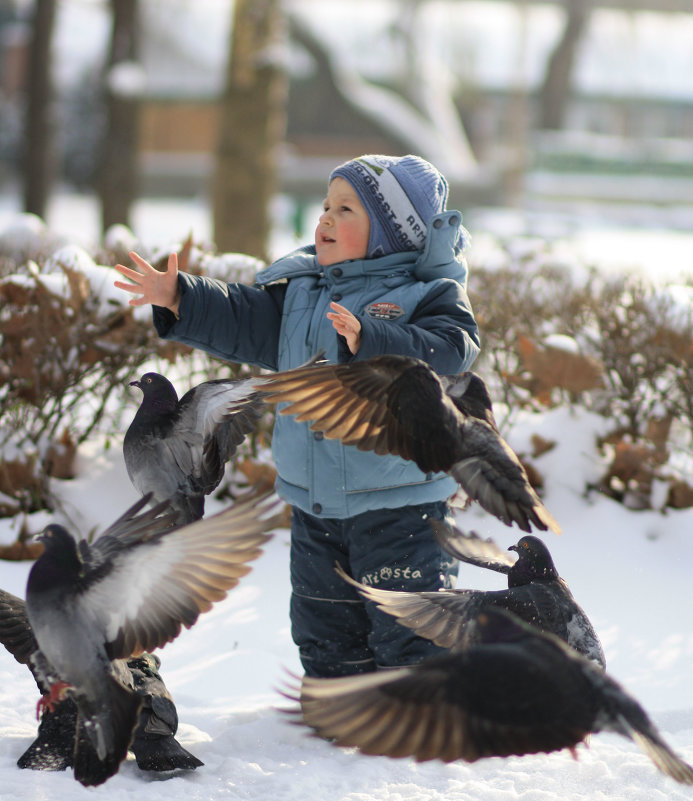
<point>536,594</point>
<point>53,747</point>
<point>154,744</point>
<point>92,606</point>
<point>517,691</point>
<point>399,405</point>
<point>177,450</point>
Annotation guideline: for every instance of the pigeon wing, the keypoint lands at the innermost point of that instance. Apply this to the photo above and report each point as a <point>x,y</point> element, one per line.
<point>486,701</point>
<point>140,588</point>
<point>231,404</point>
<point>469,547</point>
<point>16,633</point>
<point>444,617</point>
<point>388,404</point>
<point>448,617</point>
<point>489,471</point>
<point>518,692</point>
<point>213,420</point>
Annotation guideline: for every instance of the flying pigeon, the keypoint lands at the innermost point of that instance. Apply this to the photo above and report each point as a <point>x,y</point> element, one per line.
<point>178,450</point>
<point>130,591</point>
<point>517,691</point>
<point>399,405</point>
<point>536,594</point>
<point>154,744</point>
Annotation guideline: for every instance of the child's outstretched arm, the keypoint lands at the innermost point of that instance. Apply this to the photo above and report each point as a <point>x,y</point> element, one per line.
<point>346,324</point>
<point>150,285</point>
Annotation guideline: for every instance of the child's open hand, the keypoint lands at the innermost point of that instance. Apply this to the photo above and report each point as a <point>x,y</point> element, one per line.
<point>346,324</point>
<point>150,285</point>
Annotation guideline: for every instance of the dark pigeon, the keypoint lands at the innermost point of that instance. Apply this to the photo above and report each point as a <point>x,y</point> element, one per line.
<point>399,405</point>
<point>154,744</point>
<point>517,691</point>
<point>536,594</point>
<point>178,450</point>
<point>92,606</point>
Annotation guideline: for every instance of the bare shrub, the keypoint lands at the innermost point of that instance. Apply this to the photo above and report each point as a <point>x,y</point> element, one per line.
<point>66,359</point>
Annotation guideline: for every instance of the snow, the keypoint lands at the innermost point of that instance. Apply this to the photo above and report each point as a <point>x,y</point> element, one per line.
<point>629,570</point>
<point>127,79</point>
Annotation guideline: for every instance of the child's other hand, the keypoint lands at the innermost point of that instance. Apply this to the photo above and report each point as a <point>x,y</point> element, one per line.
<point>346,324</point>
<point>150,285</point>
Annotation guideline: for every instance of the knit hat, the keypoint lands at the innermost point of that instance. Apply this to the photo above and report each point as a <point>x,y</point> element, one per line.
<point>400,195</point>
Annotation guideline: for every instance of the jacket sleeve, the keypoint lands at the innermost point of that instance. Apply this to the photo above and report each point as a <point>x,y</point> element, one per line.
<point>234,322</point>
<point>441,331</point>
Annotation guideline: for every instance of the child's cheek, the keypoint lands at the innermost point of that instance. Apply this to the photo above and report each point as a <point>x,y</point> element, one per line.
<point>354,240</point>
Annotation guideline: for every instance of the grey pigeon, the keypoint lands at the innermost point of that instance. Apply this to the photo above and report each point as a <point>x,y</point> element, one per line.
<point>154,744</point>
<point>177,450</point>
<point>92,606</point>
<point>536,594</point>
<point>517,691</point>
<point>400,405</point>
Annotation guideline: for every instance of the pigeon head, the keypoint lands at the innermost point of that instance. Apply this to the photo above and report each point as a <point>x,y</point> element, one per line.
<point>534,562</point>
<point>158,392</point>
<point>59,559</point>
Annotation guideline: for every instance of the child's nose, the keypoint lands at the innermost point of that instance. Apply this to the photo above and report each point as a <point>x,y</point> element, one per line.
<point>326,217</point>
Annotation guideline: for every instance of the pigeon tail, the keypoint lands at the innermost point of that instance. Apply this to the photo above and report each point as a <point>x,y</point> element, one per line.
<point>110,735</point>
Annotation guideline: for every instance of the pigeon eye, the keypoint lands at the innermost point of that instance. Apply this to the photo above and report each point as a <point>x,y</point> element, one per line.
<point>148,380</point>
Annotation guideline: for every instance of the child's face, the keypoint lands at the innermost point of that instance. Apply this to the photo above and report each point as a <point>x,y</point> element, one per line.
<point>343,228</point>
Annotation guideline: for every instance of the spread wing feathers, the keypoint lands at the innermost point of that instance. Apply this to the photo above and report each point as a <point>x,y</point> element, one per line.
<point>448,617</point>
<point>134,523</point>
<point>445,618</point>
<point>517,692</point>
<point>205,406</point>
<point>398,405</point>
<point>362,403</point>
<point>139,589</point>
<point>469,547</point>
<point>209,405</point>
<point>16,633</point>
<point>415,712</point>
<point>489,472</point>
<point>659,752</point>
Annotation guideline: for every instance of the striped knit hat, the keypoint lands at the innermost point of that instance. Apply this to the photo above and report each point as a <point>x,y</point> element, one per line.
<point>400,195</point>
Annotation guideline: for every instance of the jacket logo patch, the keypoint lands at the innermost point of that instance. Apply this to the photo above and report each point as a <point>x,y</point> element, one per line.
<point>384,310</point>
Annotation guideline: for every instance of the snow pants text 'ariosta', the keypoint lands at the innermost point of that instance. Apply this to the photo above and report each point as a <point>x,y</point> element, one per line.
<point>339,634</point>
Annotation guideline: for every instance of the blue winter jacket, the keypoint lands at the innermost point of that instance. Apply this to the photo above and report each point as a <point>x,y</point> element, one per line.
<point>412,303</point>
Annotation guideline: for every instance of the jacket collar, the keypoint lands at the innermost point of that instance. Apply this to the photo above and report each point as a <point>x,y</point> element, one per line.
<point>437,260</point>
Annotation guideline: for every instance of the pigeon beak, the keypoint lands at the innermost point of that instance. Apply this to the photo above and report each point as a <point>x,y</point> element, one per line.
<point>135,384</point>
<point>513,548</point>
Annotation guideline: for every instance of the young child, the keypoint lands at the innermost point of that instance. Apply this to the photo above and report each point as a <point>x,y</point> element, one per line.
<point>385,275</point>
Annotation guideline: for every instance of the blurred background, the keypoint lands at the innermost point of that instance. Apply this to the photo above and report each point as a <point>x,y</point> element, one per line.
<point>569,112</point>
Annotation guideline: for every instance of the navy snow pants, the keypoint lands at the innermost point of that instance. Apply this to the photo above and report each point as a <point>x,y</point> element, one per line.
<point>339,634</point>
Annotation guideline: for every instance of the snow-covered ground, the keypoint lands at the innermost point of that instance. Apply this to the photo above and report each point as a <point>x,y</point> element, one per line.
<point>629,570</point>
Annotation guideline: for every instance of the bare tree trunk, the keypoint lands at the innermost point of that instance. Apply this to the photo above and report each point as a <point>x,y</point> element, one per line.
<point>118,173</point>
<point>555,90</point>
<point>252,126</point>
<point>38,155</point>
